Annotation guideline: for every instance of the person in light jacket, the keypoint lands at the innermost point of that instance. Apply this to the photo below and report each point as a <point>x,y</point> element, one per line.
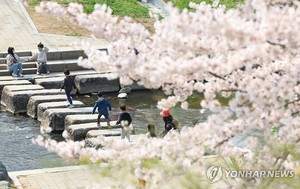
<point>14,64</point>
<point>41,59</point>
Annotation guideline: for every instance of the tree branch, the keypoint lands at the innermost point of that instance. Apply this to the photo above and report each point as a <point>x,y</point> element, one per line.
<point>277,44</point>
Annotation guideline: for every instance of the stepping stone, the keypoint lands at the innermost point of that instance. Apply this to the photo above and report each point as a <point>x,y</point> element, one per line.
<point>55,118</point>
<point>50,83</point>
<point>134,87</point>
<point>88,118</point>
<point>25,87</point>
<point>78,132</point>
<point>96,133</point>
<point>13,82</point>
<point>94,142</point>
<point>16,101</point>
<point>41,108</point>
<point>84,118</point>
<point>34,101</point>
<point>97,82</point>
<point>6,78</point>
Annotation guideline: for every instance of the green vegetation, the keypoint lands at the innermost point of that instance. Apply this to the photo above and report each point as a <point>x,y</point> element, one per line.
<point>120,7</point>
<point>182,4</point>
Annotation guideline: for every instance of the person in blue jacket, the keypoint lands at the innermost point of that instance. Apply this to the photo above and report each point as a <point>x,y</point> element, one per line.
<point>103,106</point>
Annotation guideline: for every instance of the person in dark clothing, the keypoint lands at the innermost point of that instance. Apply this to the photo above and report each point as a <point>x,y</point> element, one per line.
<point>68,86</point>
<point>103,106</point>
<point>168,120</point>
<point>125,121</point>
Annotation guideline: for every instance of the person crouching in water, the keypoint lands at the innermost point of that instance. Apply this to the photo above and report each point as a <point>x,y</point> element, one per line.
<point>151,131</point>
<point>125,121</point>
<point>103,106</point>
<point>13,63</point>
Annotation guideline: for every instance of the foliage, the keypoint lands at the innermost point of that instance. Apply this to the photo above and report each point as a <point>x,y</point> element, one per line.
<point>248,55</point>
<point>182,4</point>
<point>120,7</point>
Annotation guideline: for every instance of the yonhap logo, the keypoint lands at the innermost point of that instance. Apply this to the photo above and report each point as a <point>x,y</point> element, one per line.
<point>214,173</point>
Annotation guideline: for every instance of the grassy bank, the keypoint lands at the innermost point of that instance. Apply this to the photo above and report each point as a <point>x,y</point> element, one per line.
<point>119,7</point>
<point>181,4</point>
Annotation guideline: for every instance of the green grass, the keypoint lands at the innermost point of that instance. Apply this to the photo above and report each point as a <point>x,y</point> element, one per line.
<point>182,4</point>
<point>119,7</point>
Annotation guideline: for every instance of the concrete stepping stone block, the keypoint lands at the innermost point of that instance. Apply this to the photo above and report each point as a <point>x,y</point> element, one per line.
<point>97,82</point>
<point>34,101</point>
<point>16,101</point>
<point>94,142</point>
<point>84,118</point>
<point>50,83</point>
<point>10,88</point>
<point>13,82</point>
<point>88,118</point>
<point>41,108</point>
<point>7,78</point>
<point>134,86</point>
<point>78,132</point>
<point>96,133</point>
<point>55,118</point>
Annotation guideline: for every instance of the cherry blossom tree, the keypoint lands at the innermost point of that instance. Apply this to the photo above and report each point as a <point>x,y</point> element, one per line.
<point>249,54</point>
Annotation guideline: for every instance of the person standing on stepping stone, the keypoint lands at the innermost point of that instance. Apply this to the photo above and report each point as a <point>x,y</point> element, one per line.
<point>125,121</point>
<point>41,59</point>
<point>103,106</point>
<point>68,86</point>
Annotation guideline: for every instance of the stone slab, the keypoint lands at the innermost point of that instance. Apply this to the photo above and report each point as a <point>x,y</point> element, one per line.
<point>94,142</point>
<point>87,118</point>
<point>55,118</point>
<point>13,82</point>
<point>34,101</point>
<point>98,82</point>
<point>50,83</point>
<point>11,88</point>
<point>77,132</point>
<point>7,78</point>
<point>96,133</point>
<point>16,101</point>
<point>134,86</point>
<point>42,107</point>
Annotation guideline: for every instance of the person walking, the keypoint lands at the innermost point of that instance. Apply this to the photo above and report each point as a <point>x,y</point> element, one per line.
<point>102,105</point>
<point>14,64</point>
<point>68,86</point>
<point>125,121</point>
<point>41,59</point>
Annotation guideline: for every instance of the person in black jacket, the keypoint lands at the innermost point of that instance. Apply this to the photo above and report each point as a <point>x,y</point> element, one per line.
<point>125,121</point>
<point>168,120</point>
<point>68,85</point>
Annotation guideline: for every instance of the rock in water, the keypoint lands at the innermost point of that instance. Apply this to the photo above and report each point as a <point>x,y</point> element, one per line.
<point>122,95</point>
<point>125,90</point>
<point>3,174</point>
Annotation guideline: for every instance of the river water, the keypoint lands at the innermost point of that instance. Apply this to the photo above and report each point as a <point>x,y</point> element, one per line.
<point>18,153</point>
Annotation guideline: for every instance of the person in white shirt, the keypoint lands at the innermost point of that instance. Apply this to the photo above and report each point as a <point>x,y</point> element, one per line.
<point>41,59</point>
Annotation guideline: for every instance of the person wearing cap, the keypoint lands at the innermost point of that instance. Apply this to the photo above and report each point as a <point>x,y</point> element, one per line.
<point>168,120</point>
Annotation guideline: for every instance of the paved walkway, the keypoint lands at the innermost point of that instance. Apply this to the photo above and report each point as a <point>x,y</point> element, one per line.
<point>18,30</point>
<point>71,177</point>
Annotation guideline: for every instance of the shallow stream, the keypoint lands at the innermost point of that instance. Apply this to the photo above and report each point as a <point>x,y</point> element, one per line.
<point>18,153</point>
